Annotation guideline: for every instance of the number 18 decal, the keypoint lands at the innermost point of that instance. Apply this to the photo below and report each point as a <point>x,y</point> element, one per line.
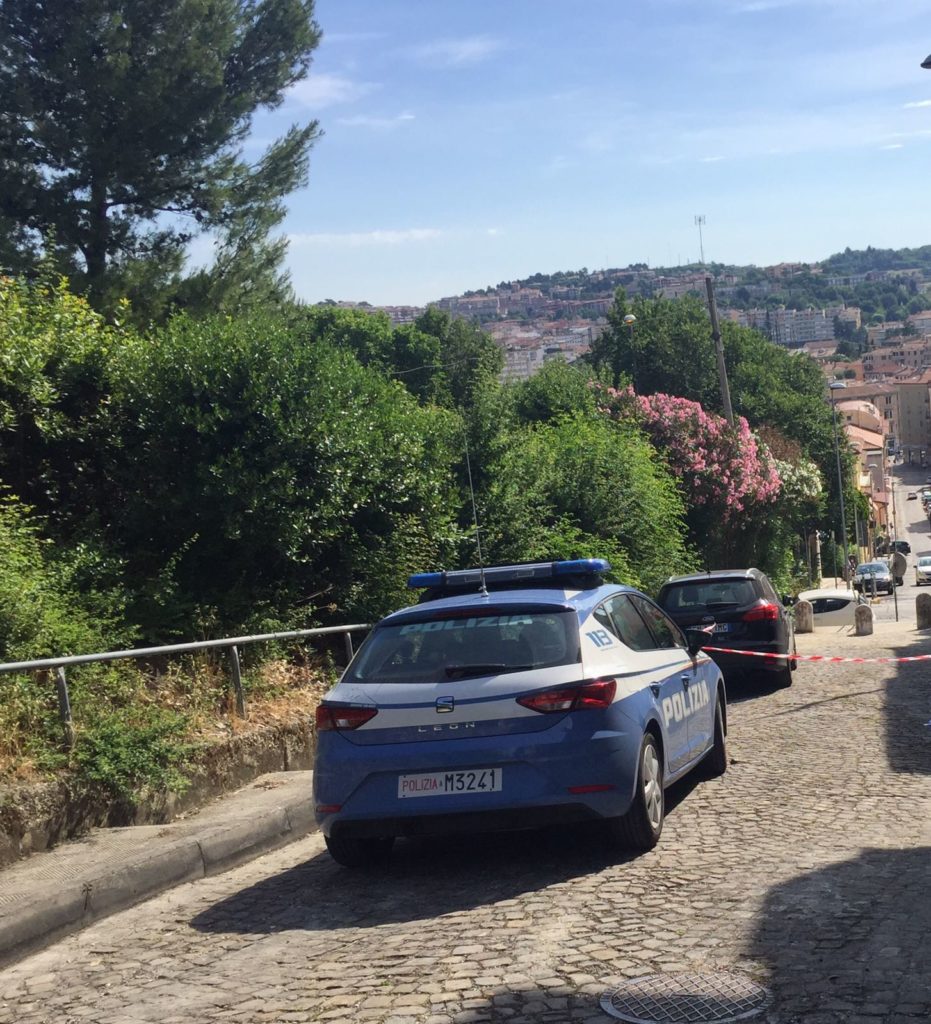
<point>600,637</point>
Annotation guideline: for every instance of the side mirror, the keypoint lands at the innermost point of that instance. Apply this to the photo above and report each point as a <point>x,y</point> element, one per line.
<point>788,601</point>
<point>696,638</point>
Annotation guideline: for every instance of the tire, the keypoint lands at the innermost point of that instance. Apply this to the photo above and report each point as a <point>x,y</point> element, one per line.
<point>716,758</point>
<point>640,828</point>
<point>784,677</point>
<point>359,853</point>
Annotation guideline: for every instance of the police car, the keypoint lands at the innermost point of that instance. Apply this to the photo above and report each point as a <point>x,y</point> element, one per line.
<point>514,697</point>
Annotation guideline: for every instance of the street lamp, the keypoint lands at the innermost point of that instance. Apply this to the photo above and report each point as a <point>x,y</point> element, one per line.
<point>835,386</point>
<point>630,320</point>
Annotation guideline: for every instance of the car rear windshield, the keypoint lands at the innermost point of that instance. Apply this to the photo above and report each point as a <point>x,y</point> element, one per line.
<point>465,646</point>
<point>713,593</point>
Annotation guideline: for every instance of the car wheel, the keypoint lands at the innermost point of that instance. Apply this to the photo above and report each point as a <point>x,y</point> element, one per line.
<point>784,677</point>
<point>359,853</point>
<point>716,758</point>
<point>640,828</point>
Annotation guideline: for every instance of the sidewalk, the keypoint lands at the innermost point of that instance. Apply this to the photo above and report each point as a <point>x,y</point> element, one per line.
<point>51,894</point>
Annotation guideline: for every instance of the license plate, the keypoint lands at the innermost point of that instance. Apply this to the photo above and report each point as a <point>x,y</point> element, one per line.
<point>476,780</point>
<point>722,627</point>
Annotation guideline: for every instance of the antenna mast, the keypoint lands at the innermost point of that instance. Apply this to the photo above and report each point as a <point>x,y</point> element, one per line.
<point>699,221</point>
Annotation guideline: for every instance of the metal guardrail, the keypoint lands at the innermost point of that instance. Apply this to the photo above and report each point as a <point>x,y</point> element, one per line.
<point>233,643</point>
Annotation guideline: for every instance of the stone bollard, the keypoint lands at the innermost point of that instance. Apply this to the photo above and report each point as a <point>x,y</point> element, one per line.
<point>863,619</point>
<point>923,611</point>
<point>804,617</point>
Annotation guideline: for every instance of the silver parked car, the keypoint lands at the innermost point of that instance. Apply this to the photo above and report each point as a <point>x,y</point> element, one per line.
<point>923,570</point>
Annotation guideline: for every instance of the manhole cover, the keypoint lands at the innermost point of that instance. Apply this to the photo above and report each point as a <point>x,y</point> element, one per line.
<point>686,999</point>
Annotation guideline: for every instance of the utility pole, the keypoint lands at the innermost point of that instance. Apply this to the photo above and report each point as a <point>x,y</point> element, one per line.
<point>699,221</point>
<point>719,351</point>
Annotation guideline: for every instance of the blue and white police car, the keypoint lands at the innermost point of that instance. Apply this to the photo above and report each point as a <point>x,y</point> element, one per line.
<point>515,697</point>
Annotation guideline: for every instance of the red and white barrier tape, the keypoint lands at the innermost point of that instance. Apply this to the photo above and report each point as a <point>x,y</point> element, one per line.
<point>814,657</point>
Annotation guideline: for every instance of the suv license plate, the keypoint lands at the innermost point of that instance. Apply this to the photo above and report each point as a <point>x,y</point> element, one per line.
<point>476,780</point>
<point>722,627</point>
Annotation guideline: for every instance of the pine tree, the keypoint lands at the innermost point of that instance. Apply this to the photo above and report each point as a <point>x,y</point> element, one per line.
<point>121,133</point>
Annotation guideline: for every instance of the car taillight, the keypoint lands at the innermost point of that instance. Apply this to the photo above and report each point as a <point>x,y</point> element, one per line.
<point>766,612</point>
<point>597,694</point>
<point>333,716</point>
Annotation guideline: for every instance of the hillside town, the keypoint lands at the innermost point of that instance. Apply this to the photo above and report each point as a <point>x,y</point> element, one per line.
<point>882,397</point>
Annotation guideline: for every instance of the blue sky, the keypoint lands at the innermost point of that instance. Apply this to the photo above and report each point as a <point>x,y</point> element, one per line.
<point>466,143</point>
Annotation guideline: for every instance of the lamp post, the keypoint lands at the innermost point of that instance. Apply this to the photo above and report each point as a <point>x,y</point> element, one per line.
<point>835,386</point>
<point>882,486</point>
<point>630,320</point>
<point>719,351</point>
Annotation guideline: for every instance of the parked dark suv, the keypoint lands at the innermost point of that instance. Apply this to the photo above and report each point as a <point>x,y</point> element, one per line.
<point>746,614</point>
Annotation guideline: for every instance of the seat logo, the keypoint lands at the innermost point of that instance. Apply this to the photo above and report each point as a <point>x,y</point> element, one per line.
<point>445,704</point>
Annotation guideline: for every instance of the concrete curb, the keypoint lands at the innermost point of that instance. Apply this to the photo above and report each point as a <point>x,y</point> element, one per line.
<point>103,882</point>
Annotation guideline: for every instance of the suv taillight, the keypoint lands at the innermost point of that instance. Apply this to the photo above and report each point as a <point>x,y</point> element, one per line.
<point>766,612</point>
<point>342,717</point>
<point>597,694</point>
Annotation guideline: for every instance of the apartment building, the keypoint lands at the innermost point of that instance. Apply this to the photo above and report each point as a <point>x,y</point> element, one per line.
<point>883,396</point>
<point>899,354</point>
<point>914,390</point>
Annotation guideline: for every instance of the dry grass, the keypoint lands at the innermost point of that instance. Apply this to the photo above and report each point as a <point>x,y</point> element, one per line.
<point>199,689</point>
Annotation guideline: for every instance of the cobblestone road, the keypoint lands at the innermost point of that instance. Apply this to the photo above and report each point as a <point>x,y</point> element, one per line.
<point>807,868</point>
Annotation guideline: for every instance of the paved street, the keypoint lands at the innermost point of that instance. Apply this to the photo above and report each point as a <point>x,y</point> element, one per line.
<point>807,867</point>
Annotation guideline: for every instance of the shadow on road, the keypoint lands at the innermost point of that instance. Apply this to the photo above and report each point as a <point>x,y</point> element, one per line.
<point>424,878</point>
<point>907,712</point>
<point>853,938</point>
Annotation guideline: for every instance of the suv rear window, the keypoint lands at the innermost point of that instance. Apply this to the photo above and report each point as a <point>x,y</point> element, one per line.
<point>440,649</point>
<point>712,593</point>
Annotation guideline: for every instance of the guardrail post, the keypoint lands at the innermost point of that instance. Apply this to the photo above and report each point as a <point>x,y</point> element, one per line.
<point>64,707</point>
<point>237,682</point>
<point>347,639</point>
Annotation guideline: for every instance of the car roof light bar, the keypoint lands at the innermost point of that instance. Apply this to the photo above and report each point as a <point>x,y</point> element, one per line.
<point>511,573</point>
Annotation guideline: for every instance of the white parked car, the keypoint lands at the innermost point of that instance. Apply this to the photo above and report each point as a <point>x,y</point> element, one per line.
<point>832,607</point>
<point>923,570</point>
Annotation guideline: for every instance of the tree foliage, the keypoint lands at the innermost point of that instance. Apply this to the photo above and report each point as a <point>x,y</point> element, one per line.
<point>121,137</point>
<point>582,485</point>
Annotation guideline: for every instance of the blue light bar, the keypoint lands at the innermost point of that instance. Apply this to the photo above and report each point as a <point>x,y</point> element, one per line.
<point>585,565</point>
<point>510,573</point>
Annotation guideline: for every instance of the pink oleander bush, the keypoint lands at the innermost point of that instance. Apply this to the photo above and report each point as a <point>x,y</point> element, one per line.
<point>723,469</point>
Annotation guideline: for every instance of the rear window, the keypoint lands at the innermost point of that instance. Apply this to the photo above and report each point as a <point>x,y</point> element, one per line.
<point>458,647</point>
<point>713,593</point>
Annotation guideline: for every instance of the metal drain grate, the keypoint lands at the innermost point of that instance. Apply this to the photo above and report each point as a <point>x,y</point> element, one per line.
<point>686,999</point>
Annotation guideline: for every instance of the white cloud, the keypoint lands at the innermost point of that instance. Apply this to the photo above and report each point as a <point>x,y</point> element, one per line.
<point>326,90</point>
<point>378,123</point>
<point>458,52</point>
<point>364,239</point>
<point>893,145</point>
<point>711,159</point>
<point>916,103</point>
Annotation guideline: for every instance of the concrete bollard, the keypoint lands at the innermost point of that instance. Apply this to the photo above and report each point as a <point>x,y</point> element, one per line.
<point>923,611</point>
<point>804,617</point>
<point>863,620</point>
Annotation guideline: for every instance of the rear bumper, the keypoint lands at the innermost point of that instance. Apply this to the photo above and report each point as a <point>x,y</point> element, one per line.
<point>734,663</point>
<point>356,787</point>
<point>510,820</point>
